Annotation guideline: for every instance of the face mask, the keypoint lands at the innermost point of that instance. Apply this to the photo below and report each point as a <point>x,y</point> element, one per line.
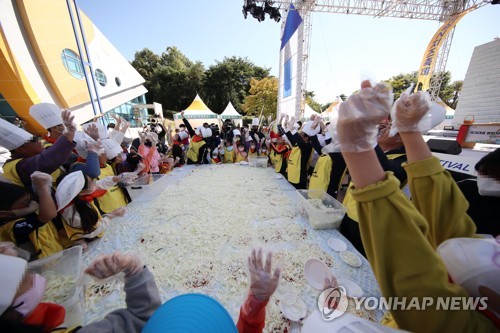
<point>241,148</point>
<point>487,186</point>
<point>263,151</point>
<point>229,148</point>
<point>27,302</point>
<point>252,147</point>
<point>237,139</point>
<point>221,151</point>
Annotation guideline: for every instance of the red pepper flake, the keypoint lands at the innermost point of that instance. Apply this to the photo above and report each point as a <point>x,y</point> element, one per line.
<point>142,240</point>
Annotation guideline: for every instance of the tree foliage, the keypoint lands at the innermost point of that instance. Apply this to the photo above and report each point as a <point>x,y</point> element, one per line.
<point>229,81</point>
<point>262,92</point>
<point>312,102</point>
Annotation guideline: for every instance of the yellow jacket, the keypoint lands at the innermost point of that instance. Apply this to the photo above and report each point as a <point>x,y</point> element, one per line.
<point>400,238</point>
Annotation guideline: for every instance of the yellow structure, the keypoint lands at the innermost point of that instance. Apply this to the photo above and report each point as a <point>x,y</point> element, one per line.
<point>40,62</point>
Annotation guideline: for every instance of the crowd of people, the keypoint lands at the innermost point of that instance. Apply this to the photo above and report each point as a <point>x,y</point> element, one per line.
<point>66,188</point>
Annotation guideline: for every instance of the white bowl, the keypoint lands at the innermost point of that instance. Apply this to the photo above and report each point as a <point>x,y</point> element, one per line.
<point>293,307</point>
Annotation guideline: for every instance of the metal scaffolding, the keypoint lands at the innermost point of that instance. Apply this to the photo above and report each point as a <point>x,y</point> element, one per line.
<point>435,10</point>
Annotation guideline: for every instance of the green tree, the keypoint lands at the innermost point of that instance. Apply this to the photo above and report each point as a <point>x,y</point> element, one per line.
<point>229,80</point>
<point>401,82</point>
<point>180,79</point>
<point>147,63</point>
<point>262,93</point>
<point>312,102</point>
<point>457,89</point>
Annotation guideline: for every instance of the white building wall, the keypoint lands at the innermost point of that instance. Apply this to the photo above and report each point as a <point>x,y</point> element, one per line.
<point>480,96</point>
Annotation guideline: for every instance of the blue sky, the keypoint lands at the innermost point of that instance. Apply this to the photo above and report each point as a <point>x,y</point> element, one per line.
<point>344,48</point>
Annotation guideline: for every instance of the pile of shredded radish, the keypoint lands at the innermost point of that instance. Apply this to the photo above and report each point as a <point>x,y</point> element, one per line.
<point>197,234</point>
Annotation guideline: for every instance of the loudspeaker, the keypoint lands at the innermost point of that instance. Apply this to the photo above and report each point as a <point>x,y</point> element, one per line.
<point>444,146</point>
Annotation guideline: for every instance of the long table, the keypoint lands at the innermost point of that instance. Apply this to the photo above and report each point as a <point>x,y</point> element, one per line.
<point>211,217</point>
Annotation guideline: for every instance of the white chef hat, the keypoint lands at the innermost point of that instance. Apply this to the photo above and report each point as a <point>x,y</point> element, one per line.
<point>46,114</point>
<point>199,130</point>
<point>81,140</point>
<point>307,128</point>
<point>13,269</point>
<point>183,135</point>
<point>236,132</point>
<point>471,263</point>
<point>103,132</point>
<point>112,148</point>
<point>11,136</point>
<point>68,188</point>
<point>255,121</point>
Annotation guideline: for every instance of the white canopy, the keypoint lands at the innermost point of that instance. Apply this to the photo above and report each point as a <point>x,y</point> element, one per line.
<point>231,113</point>
<point>197,113</point>
<point>308,112</point>
<point>334,107</point>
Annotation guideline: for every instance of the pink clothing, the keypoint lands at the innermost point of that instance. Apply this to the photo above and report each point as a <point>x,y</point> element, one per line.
<point>152,156</point>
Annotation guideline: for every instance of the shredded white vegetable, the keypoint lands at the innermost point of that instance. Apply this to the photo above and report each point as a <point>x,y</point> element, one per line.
<point>197,234</point>
<point>59,288</point>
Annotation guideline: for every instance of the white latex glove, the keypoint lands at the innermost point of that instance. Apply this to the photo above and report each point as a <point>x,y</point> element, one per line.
<point>409,110</point>
<point>111,264</point>
<point>357,126</point>
<point>263,282</point>
<point>119,212</point>
<point>68,121</point>
<point>40,180</point>
<point>92,131</point>
<point>94,146</point>
<point>128,177</point>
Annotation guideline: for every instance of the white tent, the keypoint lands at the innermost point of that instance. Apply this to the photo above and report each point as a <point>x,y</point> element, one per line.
<point>334,107</point>
<point>308,112</point>
<point>450,113</point>
<point>197,113</point>
<point>231,113</point>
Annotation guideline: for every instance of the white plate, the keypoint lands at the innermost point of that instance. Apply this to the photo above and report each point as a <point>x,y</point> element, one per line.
<point>315,272</point>
<point>337,244</point>
<point>352,288</point>
<point>351,258</point>
<point>293,307</point>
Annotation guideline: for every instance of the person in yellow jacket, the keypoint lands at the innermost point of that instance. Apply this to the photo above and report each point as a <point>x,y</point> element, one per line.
<point>28,222</point>
<point>81,218</point>
<point>299,157</point>
<point>279,153</point>
<point>402,238</point>
<point>228,153</point>
<point>198,147</point>
<point>240,155</point>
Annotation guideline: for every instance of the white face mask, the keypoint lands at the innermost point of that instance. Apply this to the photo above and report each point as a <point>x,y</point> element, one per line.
<point>488,186</point>
<point>221,151</point>
<point>229,148</point>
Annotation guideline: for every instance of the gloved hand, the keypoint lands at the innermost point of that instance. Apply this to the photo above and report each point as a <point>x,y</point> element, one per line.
<point>182,114</point>
<point>128,177</point>
<point>409,110</point>
<point>10,249</point>
<point>68,121</point>
<point>111,264</point>
<point>151,138</point>
<point>94,146</point>
<point>92,131</point>
<point>119,212</point>
<point>263,282</point>
<point>40,180</point>
<point>359,117</point>
<point>142,137</point>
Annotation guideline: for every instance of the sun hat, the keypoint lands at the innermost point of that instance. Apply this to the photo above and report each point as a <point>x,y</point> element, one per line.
<point>46,114</point>
<point>68,188</point>
<point>11,136</point>
<point>13,269</point>
<point>191,313</point>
